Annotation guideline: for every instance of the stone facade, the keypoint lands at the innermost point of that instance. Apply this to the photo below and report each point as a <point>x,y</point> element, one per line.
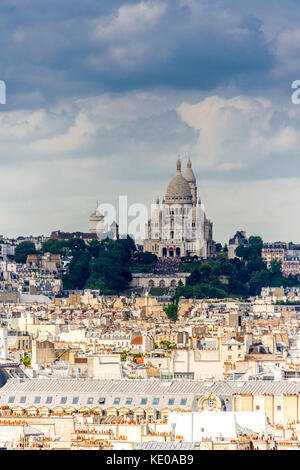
<point>155,280</point>
<point>179,227</point>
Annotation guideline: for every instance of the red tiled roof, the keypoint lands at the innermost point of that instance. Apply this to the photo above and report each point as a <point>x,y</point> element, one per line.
<point>137,340</point>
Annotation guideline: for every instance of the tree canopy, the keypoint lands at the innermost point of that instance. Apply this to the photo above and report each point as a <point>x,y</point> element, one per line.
<point>24,249</point>
<point>99,265</point>
<point>171,311</point>
<point>240,277</point>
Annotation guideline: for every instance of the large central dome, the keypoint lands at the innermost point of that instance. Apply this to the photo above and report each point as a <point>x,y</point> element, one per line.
<point>178,190</point>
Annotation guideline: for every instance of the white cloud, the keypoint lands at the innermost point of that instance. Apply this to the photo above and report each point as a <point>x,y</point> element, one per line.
<point>237,131</point>
<point>87,116</point>
<point>130,19</point>
<point>76,136</point>
<point>22,124</point>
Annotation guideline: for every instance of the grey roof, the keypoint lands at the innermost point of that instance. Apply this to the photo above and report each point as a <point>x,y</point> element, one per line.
<point>241,239</point>
<point>83,389</point>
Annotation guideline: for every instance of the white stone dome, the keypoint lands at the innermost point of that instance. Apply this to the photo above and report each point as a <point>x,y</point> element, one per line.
<point>178,190</point>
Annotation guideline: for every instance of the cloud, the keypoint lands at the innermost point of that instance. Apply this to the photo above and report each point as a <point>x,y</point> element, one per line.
<point>129,20</point>
<point>54,51</point>
<point>99,123</point>
<point>287,46</point>
<point>22,124</point>
<point>240,132</point>
<point>73,139</point>
<point>182,44</point>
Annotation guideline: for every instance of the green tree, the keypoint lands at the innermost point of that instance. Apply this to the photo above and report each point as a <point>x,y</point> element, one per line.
<point>171,311</point>
<point>108,274</point>
<point>76,244</point>
<point>218,247</point>
<point>129,245</point>
<point>194,278</point>
<point>240,251</point>
<point>124,355</point>
<point>94,248</point>
<point>54,246</point>
<point>23,250</point>
<point>256,242</point>
<point>275,268</point>
<point>146,257</point>
<point>258,280</point>
<point>165,344</point>
<point>26,360</point>
<point>78,272</point>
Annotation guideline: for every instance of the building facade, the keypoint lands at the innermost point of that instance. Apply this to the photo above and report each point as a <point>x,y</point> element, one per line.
<point>179,227</point>
<point>287,253</point>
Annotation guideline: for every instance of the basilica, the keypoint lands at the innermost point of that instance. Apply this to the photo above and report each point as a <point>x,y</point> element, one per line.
<point>178,225</point>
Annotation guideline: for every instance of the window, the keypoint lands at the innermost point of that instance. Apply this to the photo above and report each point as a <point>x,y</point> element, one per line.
<point>22,399</point>
<point>257,407</point>
<point>278,408</point>
<point>49,400</point>
<point>90,400</point>
<point>75,400</point>
<point>128,401</point>
<point>183,401</point>
<point>155,401</point>
<point>63,400</point>
<point>116,401</point>
<point>143,401</point>
<point>11,399</point>
<point>171,401</point>
<point>37,399</point>
<point>101,401</point>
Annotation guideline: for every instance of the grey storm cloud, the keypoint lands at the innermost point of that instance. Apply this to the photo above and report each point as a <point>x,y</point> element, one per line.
<point>76,48</point>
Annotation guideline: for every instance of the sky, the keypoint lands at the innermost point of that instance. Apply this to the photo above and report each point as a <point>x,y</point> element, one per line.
<point>102,96</point>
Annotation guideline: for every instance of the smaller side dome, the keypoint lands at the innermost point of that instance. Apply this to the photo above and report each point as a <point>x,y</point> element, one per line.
<point>189,174</point>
